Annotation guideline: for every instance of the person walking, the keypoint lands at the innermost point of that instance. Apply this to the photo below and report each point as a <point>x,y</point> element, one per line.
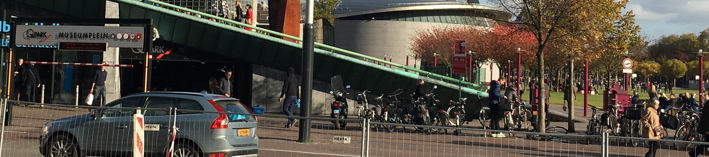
<point>30,80</point>
<point>226,85</point>
<point>493,101</point>
<point>99,85</point>
<point>291,93</point>
<point>19,80</point>
<point>238,14</point>
<point>702,129</point>
<point>652,128</point>
<point>249,17</point>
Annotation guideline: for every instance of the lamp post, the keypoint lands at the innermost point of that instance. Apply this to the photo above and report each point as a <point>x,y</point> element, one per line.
<point>470,66</point>
<point>701,76</point>
<point>519,73</point>
<point>509,69</point>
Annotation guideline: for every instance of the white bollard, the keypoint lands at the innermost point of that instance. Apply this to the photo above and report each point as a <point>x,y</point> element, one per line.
<point>42,97</point>
<point>138,134</point>
<point>76,97</point>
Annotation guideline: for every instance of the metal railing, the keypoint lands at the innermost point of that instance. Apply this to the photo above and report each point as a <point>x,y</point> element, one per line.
<point>360,137</point>
<point>206,17</point>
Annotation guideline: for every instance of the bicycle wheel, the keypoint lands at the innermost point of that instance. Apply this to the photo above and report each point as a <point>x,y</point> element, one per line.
<point>681,134</point>
<point>484,118</point>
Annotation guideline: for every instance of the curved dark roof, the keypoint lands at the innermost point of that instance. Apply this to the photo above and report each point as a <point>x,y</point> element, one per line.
<point>365,7</point>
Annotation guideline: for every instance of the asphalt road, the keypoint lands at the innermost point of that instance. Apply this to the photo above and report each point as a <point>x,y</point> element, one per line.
<point>21,139</point>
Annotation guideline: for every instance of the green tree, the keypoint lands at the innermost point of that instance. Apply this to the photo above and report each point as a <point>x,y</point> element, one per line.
<point>693,68</point>
<point>647,69</point>
<point>324,9</point>
<point>673,69</point>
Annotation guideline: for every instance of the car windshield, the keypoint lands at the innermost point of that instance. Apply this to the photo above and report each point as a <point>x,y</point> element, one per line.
<point>239,111</point>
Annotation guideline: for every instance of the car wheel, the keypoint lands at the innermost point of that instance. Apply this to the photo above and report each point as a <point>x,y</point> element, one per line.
<point>62,146</point>
<point>186,150</point>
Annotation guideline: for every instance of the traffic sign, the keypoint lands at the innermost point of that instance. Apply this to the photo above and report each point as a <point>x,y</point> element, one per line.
<point>627,63</point>
<point>627,71</point>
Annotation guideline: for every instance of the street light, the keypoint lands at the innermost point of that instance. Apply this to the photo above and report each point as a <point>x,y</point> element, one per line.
<point>519,73</point>
<point>435,59</point>
<point>701,75</point>
<point>470,66</point>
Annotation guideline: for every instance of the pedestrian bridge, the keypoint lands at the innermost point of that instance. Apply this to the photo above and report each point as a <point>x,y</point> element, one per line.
<point>228,40</point>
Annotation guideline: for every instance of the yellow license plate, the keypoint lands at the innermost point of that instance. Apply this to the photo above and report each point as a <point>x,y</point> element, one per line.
<point>534,113</point>
<point>244,132</point>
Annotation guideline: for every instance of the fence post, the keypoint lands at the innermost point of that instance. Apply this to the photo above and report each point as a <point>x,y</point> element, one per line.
<point>76,97</point>
<point>42,98</point>
<point>364,137</point>
<point>604,144</point>
<point>3,104</point>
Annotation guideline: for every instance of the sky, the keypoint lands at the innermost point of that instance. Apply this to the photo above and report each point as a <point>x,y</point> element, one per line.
<point>666,17</point>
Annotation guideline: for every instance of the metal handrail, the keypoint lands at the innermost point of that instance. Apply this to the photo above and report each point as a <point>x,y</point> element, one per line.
<point>320,45</point>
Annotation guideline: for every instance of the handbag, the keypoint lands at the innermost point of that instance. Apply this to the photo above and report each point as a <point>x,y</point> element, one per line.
<point>90,99</point>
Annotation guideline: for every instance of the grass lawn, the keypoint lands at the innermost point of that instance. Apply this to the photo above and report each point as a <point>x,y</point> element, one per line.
<point>595,100</point>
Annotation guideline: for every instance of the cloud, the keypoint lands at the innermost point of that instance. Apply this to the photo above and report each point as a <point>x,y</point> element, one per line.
<point>643,14</point>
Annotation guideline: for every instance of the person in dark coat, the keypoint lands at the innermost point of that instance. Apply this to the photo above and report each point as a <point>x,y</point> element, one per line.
<point>226,84</point>
<point>19,84</point>
<point>636,98</point>
<point>511,92</point>
<point>704,130</point>
<point>493,101</point>
<point>31,81</point>
<point>664,102</point>
<point>420,91</point>
<point>291,93</point>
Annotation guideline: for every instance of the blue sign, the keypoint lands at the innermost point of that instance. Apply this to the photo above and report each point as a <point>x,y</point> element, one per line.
<point>5,26</point>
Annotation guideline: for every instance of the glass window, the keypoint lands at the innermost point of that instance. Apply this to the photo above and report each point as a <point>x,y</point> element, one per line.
<point>158,106</point>
<point>122,108</point>
<point>233,106</point>
<point>185,106</point>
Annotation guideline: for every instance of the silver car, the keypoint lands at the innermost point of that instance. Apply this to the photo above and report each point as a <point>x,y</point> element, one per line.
<point>205,125</point>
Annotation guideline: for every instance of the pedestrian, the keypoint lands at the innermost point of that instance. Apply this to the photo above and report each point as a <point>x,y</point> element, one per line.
<point>703,129</point>
<point>291,93</point>
<point>30,80</point>
<point>693,102</point>
<point>669,87</point>
<point>652,128</point>
<point>653,92</point>
<point>226,85</point>
<point>636,98</point>
<point>494,103</point>
<point>664,102</point>
<point>671,102</point>
<point>223,9</point>
<point>18,80</point>
<point>238,14</point>
<point>214,87</point>
<point>99,85</point>
<point>249,17</point>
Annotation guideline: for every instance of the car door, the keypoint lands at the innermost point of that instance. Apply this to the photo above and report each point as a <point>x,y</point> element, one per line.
<point>111,130</point>
<point>157,122</point>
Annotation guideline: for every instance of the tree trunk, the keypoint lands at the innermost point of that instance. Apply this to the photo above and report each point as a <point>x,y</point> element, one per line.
<point>542,93</point>
<point>570,97</point>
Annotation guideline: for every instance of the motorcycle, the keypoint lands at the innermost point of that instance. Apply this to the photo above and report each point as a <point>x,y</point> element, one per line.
<point>535,116</point>
<point>385,110</point>
<point>339,104</point>
<point>339,109</point>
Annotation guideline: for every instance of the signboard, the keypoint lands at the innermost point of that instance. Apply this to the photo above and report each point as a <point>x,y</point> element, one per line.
<point>627,71</point>
<point>50,36</point>
<point>82,46</point>
<point>4,28</point>
<point>458,61</point>
<point>627,63</point>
